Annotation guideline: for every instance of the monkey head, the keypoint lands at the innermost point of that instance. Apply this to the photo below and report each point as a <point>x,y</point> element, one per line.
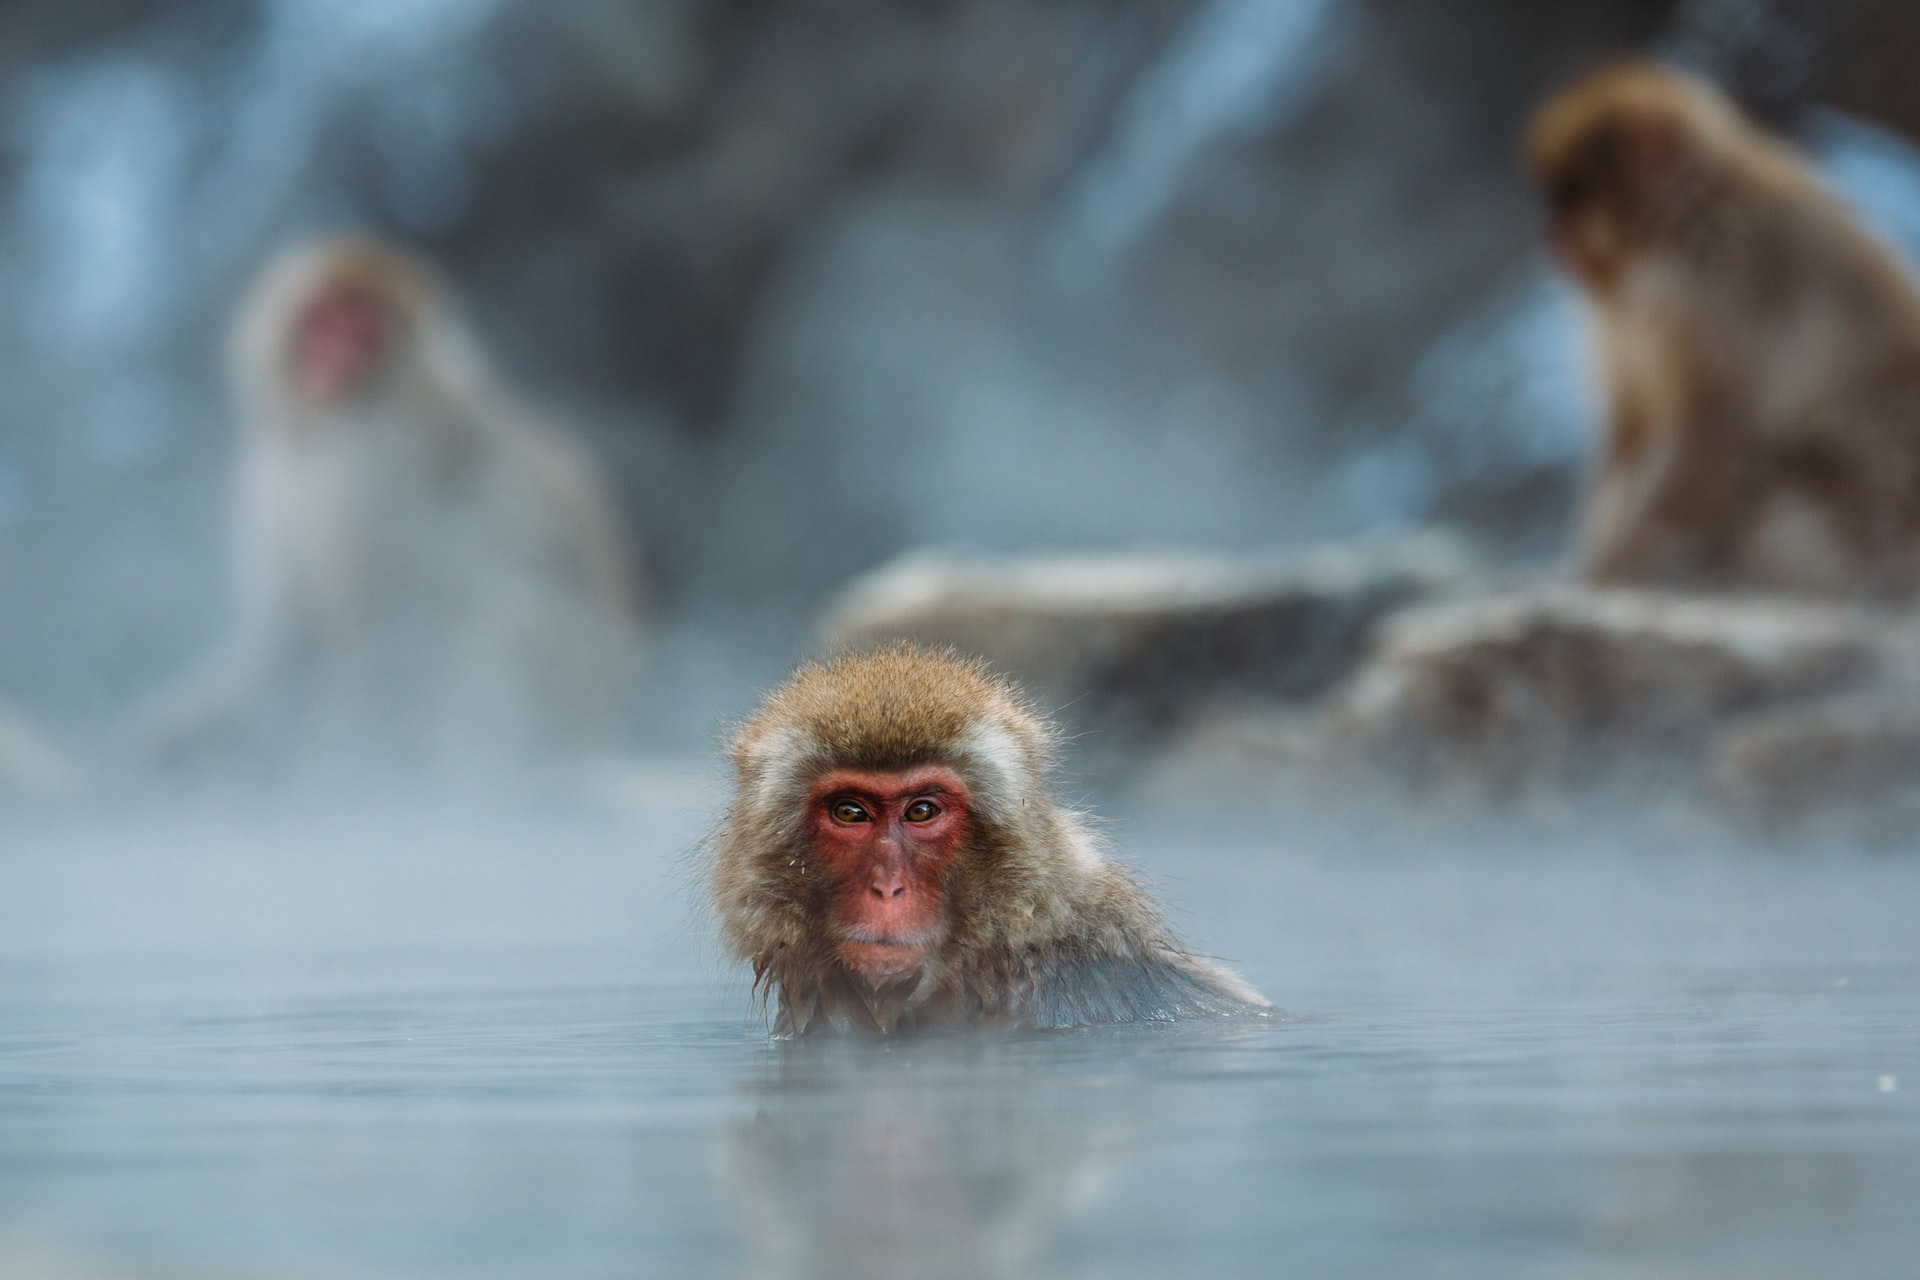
<point>331,326</point>
<point>890,815</point>
<point>1618,159</point>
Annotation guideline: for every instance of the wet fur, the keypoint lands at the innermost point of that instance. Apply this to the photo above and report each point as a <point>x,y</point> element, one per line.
<point>1040,929</point>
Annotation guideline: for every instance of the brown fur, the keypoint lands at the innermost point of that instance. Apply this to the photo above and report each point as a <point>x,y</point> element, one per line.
<point>1039,929</point>
<point>1760,350</point>
<point>426,565</point>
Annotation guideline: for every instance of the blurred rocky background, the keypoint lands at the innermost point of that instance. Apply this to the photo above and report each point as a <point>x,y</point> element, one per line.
<point>829,280</point>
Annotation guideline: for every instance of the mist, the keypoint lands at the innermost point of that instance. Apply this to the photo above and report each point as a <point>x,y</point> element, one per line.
<point>811,289</point>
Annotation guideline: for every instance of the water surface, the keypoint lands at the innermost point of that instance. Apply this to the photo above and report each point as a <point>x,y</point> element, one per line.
<point>374,1044</point>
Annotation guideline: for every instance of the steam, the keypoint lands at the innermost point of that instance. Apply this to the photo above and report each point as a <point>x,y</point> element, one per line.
<point>1241,65</point>
<point>143,190</point>
<point>1875,171</point>
<point>1502,394</point>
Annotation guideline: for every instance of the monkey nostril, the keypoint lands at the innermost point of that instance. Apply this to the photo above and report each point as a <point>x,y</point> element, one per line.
<point>899,890</point>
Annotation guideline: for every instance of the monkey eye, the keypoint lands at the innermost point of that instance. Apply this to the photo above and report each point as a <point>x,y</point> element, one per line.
<point>921,811</point>
<point>849,811</point>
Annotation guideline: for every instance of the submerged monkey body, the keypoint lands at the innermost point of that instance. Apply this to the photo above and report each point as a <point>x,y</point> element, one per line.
<point>1009,914</point>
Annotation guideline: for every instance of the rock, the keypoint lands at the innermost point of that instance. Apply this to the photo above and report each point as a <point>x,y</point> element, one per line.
<point>1858,753</point>
<point>1135,642</point>
<point>1554,682</point>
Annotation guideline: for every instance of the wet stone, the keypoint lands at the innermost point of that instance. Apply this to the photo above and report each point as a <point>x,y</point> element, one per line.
<point>1855,757</point>
<point>1128,645</point>
<point>1551,683</point>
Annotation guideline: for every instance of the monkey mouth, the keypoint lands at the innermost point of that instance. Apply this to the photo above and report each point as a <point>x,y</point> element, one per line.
<point>874,954</point>
<point>880,959</point>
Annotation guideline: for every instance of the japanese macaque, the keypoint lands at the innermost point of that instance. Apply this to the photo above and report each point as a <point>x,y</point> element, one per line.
<point>1760,350</point>
<point>419,564</point>
<point>893,860</point>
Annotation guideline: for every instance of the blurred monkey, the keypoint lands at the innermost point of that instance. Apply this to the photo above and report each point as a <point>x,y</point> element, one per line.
<point>417,562</point>
<point>1760,350</point>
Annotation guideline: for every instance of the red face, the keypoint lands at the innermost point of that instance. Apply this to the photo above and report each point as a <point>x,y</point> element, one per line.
<point>888,840</point>
<point>340,341</point>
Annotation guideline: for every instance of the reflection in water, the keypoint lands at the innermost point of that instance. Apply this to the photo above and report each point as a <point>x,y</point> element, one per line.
<point>944,1157</point>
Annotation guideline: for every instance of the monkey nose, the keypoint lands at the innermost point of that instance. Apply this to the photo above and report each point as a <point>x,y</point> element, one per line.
<point>887,886</point>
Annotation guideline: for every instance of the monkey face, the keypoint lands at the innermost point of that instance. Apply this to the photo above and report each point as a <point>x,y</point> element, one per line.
<point>1583,238</point>
<point>341,341</point>
<point>1607,190</point>
<point>1589,197</point>
<point>887,841</point>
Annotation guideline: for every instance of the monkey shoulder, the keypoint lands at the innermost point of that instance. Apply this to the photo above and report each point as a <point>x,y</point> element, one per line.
<point>1116,963</point>
<point>567,499</point>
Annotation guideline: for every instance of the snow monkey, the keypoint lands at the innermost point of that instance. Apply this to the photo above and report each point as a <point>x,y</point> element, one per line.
<point>418,562</point>
<point>1760,350</point>
<point>893,860</point>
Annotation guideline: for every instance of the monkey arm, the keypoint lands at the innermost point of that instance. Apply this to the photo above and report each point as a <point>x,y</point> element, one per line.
<point>567,517</point>
<point>1617,541</point>
<point>1674,488</point>
<point>205,701</point>
<point>208,699</point>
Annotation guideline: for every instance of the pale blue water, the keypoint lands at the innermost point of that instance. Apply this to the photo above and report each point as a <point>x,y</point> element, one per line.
<point>461,1047</point>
